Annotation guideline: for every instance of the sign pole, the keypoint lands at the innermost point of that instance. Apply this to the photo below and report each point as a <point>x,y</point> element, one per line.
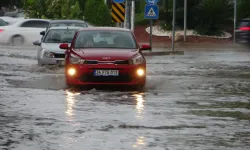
<point>133,15</point>
<point>173,25</point>
<point>185,20</point>
<point>150,36</point>
<point>235,19</point>
<point>126,15</point>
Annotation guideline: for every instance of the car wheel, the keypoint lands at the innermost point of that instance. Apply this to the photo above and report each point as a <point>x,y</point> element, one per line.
<point>140,87</point>
<point>17,40</point>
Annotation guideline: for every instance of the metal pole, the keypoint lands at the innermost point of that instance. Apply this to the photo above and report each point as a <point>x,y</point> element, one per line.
<point>173,25</point>
<point>126,15</point>
<point>185,20</point>
<point>105,1</point>
<point>235,18</point>
<point>133,15</point>
<point>150,36</point>
<point>129,14</point>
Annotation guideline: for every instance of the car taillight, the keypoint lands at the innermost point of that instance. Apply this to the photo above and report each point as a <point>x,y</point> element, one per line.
<point>245,28</point>
<point>1,30</point>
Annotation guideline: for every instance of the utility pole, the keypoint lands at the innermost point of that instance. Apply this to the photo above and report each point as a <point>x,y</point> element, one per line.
<point>185,20</point>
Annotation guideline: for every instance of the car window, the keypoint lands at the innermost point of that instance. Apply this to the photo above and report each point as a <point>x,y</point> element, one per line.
<point>35,24</point>
<point>84,25</point>
<point>105,39</point>
<point>3,23</point>
<point>244,23</point>
<point>59,36</point>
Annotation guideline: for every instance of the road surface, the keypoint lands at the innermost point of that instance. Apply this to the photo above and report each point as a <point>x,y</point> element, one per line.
<point>197,101</point>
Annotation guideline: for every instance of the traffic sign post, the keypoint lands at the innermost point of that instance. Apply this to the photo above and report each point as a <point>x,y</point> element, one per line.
<point>152,2</point>
<point>118,1</point>
<point>151,12</point>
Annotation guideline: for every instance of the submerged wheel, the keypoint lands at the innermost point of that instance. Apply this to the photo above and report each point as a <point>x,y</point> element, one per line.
<point>17,40</point>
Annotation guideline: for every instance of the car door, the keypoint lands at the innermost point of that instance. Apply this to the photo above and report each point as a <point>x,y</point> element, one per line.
<point>31,29</point>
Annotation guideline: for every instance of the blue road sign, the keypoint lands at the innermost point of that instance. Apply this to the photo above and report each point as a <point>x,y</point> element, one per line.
<point>152,2</point>
<point>118,1</point>
<point>151,12</point>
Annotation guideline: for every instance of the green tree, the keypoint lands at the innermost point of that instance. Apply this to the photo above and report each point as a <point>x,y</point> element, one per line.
<point>97,13</point>
<point>243,9</point>
<point>212,16</point>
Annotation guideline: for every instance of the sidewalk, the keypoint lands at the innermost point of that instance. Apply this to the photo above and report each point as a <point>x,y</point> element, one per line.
<point>186,46</point>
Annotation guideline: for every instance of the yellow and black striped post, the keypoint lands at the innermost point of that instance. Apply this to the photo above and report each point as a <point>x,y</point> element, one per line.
<point>118,12</point>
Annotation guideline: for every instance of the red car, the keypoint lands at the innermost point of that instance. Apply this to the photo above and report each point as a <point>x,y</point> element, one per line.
<point>105,56</point>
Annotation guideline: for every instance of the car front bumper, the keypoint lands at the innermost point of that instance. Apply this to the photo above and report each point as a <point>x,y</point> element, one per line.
<point>84,75</point>
<point>52,61</point>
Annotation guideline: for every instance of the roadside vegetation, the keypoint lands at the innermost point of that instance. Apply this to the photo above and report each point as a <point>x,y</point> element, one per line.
<point>205,17</point>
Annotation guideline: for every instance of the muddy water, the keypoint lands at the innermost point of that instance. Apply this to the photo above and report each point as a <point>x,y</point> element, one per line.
<point>197,101</point>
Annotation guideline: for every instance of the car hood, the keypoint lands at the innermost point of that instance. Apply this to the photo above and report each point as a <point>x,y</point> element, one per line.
<point>53,47</point>
<point>106,54</point>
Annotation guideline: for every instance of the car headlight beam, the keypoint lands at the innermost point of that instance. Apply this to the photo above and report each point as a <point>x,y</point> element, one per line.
<point>140,72</point>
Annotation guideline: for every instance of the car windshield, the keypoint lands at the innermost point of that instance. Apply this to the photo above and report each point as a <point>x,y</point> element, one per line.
<point>3,23</point>
<point>84,25</point>
<point>60,36</point>
<point>105,39</point>
<point>244,23</point>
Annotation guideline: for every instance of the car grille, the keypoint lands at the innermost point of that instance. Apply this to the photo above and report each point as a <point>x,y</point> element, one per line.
<point>59,55</point>
<point>118,62</point>
<point>105,79</point>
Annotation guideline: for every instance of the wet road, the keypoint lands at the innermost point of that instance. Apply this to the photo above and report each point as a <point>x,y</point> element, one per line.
<point>198,101</point>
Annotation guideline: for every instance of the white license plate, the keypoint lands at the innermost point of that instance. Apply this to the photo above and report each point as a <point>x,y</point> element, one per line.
<point>106,73</point>
<point>61,62</point>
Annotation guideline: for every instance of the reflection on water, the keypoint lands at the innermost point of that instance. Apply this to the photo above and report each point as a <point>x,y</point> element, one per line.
<point>70,100</point>
<point>139,105</point>
<point>140,143</point>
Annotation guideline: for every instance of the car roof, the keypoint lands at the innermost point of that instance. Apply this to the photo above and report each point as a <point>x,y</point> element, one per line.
<point>64,27</point>
<point>105,29</point>
<point>67,21</point>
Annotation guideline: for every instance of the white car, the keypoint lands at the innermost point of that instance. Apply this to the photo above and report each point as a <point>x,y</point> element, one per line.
<point>24,31</point>
<point>49,52</point>
<point>10,20</point>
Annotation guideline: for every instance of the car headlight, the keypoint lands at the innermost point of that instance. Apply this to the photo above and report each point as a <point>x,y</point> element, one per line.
<point>48,54</point>
<point>76,59</point>
<point>138,59</point>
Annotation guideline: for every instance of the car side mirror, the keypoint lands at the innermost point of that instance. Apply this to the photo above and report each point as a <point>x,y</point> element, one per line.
<point>145,47</point>
<point>37,43</point>
<point>42,33</point>
<point>64,46</point>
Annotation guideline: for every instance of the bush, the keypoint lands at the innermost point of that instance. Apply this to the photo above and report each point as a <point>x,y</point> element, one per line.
<point>213,16</point>
<point>139,19</point>
<point>97,13</point>
<point>243,9</point>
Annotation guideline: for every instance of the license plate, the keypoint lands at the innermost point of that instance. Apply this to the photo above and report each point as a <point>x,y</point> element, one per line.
<point>106,72</point>
<point>61,62</point>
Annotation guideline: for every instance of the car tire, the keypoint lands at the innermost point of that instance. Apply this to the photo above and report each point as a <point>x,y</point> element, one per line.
<point>17,40</point>
<point>140,87</point>
<point>39,63</point>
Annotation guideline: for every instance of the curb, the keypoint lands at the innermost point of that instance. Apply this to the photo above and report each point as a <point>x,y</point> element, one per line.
<point>196,45</point>
<point>161,53</point>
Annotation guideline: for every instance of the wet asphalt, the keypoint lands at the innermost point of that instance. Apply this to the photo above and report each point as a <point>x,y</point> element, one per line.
<point>196,101</point>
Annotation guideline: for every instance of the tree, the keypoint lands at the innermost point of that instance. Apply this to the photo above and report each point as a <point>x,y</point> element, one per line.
<point>213,15</point>
<point>97,13</point>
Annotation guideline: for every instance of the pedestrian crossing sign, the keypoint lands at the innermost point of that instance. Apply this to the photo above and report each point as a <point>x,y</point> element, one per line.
<point>151,12</point>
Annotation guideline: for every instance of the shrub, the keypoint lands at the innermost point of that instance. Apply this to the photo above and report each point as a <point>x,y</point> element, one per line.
<point>139,19</point>
<point>243,9</point>
<point>97,13</point>
<point>213,16</point>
